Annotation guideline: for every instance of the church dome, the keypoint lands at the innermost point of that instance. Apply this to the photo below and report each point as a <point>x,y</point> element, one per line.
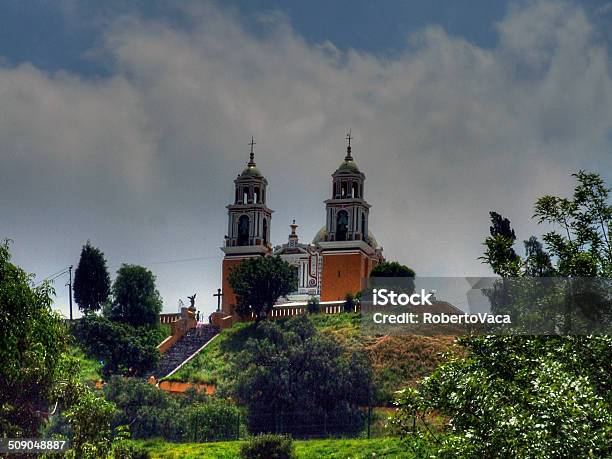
<point>349,166</point>
<point>321,236</point>
<point>251,171</point>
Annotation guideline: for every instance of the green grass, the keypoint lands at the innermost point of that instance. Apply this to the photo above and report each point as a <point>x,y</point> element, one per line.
<point>305,449</point>
<point>89,368</point>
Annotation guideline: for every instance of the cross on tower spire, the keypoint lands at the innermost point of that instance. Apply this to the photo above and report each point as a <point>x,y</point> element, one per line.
<point>348,156</point>
<point>252,155</point>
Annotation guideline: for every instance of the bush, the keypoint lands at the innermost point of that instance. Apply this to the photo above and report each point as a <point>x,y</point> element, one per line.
<point>151,412</point>
<point>268,446</point>
<point>519,396</point>
<point>123,349</point>
<point>295,380</point>
<point>127,450</point>
<point>313,306</point>
<point>213,420</point>
<point>349,303</point>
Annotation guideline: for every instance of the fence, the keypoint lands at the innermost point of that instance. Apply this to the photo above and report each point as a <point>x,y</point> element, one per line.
<point>297,309</point>
<point>362,423</point>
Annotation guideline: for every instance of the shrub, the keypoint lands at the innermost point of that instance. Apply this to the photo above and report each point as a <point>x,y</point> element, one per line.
<point>349,303</point>
<point>127,450</point>
<point>313,306</point>
<point>318,385</point>
<point>268,446</point>
<point>123,349</point>
<point>151,412</point>
<point>213,420</point>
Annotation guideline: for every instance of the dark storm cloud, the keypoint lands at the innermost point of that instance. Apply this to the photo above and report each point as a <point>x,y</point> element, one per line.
<point>142,162</point>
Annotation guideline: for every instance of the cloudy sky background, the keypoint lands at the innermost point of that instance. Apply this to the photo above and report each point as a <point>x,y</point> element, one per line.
<point>126,125</point>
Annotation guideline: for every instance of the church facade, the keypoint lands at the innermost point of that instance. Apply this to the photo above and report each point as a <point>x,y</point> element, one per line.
<point>340,256</point>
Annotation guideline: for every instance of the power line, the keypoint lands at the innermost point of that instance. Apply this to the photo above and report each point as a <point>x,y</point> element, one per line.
<point>151,263</point>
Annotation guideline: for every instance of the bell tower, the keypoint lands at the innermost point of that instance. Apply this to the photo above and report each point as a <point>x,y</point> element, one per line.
<point>347,211</point>
<point>248,227</point>
<point>349,252</point>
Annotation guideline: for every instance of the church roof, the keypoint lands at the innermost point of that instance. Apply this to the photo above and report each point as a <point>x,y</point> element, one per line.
<point>322,235</point>
<point>349,166</point>
<point>251,171</point>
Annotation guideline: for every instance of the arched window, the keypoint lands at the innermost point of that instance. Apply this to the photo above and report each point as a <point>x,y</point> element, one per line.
<point>245,195</point>
<point>363,227</point>
<point>341,225</point>
<point>355,189</point>
<point>265,230</point>
<point>243,230</point>
<point>256,195</point>
<point>344,189</point>
<point>237,195</point>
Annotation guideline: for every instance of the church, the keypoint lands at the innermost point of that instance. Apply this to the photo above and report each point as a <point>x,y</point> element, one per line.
<point>341,254</point>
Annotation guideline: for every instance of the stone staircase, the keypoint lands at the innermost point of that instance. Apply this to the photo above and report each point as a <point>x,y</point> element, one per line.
<point>189,343</point>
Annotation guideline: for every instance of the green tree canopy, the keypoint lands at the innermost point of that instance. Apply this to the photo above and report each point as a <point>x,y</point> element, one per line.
<point>260,282</point>
<point>531,396</point>
<point>91,280</point>
<point>136,300</point>
<point>32,339</point>
<point>295,380</point>
<point>391,269</point>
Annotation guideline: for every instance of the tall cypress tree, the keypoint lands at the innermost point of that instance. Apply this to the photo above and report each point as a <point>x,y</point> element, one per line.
<point>91,280</point>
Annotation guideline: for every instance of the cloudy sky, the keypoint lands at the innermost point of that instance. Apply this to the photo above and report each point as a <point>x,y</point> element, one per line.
<point>126,123</point>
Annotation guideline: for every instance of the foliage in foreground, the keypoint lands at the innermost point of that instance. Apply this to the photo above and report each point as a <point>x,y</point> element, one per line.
<point>519,397</point>
<point>530,396</point>
<point>32,340</point>
<point>268,446</point>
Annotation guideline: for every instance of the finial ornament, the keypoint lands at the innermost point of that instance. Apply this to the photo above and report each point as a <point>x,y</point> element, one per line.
<point>348,156</point>
<point>252,155</point>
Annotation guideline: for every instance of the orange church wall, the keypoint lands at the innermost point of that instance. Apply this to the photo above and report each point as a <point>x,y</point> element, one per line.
<point>229,297</point>
<point>342,274</point>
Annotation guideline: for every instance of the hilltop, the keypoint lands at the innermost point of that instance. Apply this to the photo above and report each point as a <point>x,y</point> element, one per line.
<point>398,361</point>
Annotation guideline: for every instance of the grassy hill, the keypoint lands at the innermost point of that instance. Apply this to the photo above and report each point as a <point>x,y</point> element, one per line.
<point>398,361</point>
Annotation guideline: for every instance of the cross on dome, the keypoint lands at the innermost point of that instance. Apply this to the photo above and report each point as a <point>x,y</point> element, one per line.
<point>252,155</point>
<point>348,156</point>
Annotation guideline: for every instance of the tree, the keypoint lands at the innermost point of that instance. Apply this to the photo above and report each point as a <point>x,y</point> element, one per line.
<point>582,242</point>
<point>91,280</point>
<point>404,276</point>
<point>84,417</point>
<point>391,269</point>
<point>532,396</point>
<point>32,340</point>
<point>499,253</point>
<point>124,349</point>
<point>260,282</point>
<point>295,380</point>
<point>136,300</point>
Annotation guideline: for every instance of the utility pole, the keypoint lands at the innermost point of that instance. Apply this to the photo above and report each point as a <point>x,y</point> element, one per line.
<point>70,289</point>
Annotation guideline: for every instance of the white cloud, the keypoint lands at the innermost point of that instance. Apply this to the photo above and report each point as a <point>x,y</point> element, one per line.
<point>445,132</point>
